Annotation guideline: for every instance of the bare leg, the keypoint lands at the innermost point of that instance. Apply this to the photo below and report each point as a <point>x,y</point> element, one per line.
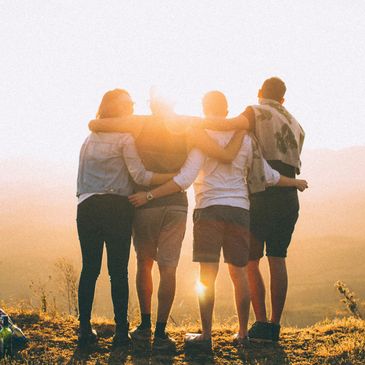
<point>144,284</point>
<point>278,286</point>
<point>166,292</point>
<point>257,289</point>
<point>208,275</point>
<point>242,296</point>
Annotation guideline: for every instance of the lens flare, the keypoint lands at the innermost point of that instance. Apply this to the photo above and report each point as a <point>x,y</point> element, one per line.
<point>200,288</point>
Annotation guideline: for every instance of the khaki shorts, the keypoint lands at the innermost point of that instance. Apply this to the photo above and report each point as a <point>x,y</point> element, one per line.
<point>158,233</point>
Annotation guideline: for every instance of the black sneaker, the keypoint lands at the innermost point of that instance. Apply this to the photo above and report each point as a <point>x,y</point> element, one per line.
<point>164,343</point>
<point>87,337</point>
<point>275,331</point>
<point>121,340</point>
<point>260,332</point>
<point>141,334</point>
<point>121,337</point>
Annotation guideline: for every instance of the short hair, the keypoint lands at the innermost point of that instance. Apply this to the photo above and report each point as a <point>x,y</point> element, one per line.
<point>215,102</point>
<point>273,88</point>
<point>108,101</point>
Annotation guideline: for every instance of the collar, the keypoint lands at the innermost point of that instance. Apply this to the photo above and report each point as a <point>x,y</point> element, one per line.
<point>263,101</point>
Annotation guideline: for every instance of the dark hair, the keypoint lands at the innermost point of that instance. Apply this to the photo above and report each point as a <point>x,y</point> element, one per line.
<point>273,88</point>
<point>108,100</point>
<point>215,102</point>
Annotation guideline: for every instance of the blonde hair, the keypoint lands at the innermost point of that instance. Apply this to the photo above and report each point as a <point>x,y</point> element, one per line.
<point>109,100</point>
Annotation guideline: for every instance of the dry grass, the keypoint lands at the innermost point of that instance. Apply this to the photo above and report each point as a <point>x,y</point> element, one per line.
<point>53,342</point>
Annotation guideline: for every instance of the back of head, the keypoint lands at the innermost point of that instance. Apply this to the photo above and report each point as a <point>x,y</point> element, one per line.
<point>115,103</point>
<point>215,104</point>
<point>274,89</point>
<point>160,103</point>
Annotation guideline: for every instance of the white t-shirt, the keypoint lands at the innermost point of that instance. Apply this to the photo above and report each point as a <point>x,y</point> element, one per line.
<point>217,183</point>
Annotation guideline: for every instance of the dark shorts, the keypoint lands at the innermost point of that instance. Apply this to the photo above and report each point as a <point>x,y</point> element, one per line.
<point>221,226</point>
<point>273,218</point>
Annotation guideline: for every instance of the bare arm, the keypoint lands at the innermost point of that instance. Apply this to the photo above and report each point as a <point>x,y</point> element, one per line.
<point>284,181</point>
<point>181,181</point>
<point>158,179</point>
<point>136,168</point>
<point>200,139</point>
<point>140,198</point>
<point>215,123</point>
<point>226,124</point>
<point>274,178</point>
<point>132,124</point>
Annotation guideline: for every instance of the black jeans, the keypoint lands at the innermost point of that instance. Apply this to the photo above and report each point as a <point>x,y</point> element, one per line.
<point>105,218</point>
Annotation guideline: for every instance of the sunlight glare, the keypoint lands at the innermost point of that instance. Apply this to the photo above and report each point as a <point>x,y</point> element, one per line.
<point>200,288</point>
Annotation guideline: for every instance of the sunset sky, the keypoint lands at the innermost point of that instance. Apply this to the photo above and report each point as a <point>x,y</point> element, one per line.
<point>59,57</point>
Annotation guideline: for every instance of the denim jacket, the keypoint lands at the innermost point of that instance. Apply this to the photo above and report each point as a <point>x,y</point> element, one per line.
<point>107,163</point>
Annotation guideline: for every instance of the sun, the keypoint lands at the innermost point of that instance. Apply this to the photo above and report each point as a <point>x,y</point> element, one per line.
<point>200,288</point>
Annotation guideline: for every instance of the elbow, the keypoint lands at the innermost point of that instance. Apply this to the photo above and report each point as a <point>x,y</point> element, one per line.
<point>181,187</point>
<point>181,184</point>
<point>91,126</point>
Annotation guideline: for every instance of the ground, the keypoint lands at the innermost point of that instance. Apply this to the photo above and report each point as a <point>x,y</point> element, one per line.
<point>52,341</point>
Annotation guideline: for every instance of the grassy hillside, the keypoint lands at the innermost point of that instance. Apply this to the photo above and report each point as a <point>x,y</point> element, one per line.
<point>341,341</point>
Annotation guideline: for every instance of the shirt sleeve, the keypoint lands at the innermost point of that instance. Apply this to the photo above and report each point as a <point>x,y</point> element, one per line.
<point>250,115</point>
<point>189,171</point>
<point>272,177</point>
<point>134,163</point>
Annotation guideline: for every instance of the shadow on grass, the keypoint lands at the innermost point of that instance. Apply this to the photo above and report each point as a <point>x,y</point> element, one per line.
<point>196,356</point>
<point>143,354</point>
<point>265,354</point>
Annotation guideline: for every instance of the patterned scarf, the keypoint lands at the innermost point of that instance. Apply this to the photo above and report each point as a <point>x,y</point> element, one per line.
<point>279,135</point>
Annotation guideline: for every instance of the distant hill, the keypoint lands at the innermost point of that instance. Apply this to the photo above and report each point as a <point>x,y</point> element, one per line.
<point>38,197</point>
<point>335,202</point>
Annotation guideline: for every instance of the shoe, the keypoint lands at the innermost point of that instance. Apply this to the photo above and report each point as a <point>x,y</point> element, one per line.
<point>87,337</point>
<point>121,340</point>
<point>241,342</point>
<point>121,337</point>
<point>141,334</point>
<point>275,331</point>
<point>260,332</point>
<point>165,343</point>
<point>196,340</point>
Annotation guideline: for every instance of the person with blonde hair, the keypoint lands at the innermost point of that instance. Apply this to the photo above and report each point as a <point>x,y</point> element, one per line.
<point>108,163</point>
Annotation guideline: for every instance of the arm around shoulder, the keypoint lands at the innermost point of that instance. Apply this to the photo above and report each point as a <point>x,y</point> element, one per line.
<point>130,124</point>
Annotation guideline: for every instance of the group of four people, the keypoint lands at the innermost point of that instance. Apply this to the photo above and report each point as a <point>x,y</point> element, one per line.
<point>243,170</point>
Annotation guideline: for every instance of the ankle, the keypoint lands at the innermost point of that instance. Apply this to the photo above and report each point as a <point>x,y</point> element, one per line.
<point>85,326</point>
<point>275,323</point>
<point>242,333</point>
<point>160,329</point>
<point>206,335</point>
<point>145,321</point>
<point>122,328</point>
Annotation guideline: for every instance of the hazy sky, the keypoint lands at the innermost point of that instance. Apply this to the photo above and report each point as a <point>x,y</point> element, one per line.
<point>59,57</point>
